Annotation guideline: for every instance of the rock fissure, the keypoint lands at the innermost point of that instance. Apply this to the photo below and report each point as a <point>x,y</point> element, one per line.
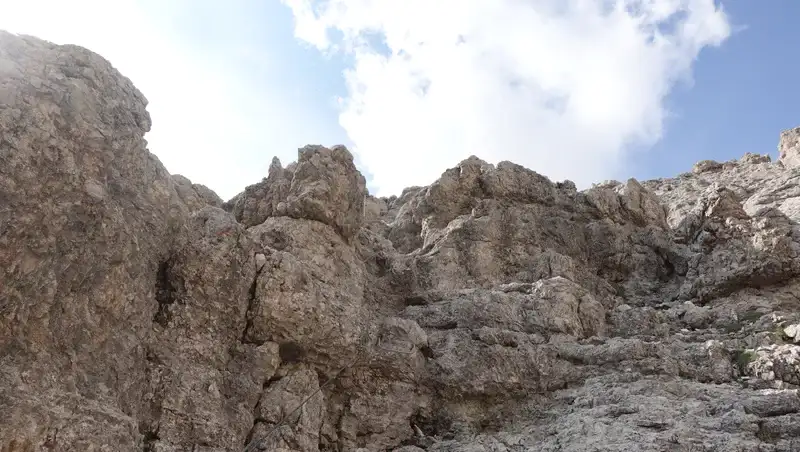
<point>167,293</point>
<point>252,300</point>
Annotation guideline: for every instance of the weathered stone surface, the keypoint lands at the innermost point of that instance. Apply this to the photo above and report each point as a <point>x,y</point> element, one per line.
<point>279,424</point>
<point>705,166</point>
<point>260,201</point>
<point>203,295</point>
<point>195,196</point>
<point>789,148</point>
<point>85,220</point>
<point>309,295</point>
<point>551,306</point>
<point>493,310</point>
<point>323,185</point>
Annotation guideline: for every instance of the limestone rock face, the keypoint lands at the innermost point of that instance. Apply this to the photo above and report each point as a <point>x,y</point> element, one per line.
<point>198,364</point>
<point>309,294</point>
<point>494,310</point>
<point>86,216</point>
<point>789,148</point>
<point>324,185</point>
<point>195,196</point>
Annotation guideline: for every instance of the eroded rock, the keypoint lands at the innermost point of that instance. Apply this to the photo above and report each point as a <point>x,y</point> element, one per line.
<point>86,216</point>
<point>323,185</point>
<point>789,148</point>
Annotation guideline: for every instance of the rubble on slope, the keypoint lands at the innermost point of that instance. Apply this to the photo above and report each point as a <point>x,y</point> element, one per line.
<point>493,310</point>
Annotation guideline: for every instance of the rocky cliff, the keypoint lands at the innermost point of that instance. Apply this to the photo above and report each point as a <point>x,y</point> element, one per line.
<point>493,310</point>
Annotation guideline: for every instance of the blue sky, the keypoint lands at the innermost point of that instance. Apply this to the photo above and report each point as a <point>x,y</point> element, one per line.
<point>743,95</point>
<point>571,88</point>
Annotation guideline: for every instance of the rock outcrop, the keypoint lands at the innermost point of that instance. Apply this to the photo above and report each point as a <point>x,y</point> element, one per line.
<point>494,310</point>
<point>789,148</point>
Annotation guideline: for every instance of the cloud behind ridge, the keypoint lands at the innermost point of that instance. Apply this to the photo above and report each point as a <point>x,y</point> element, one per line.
<point>561,86</point>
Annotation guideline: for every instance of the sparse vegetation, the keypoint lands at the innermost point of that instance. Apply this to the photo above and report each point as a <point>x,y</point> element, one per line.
<point>751,316</point>
<point>743,358</point>
<point>779,336</point>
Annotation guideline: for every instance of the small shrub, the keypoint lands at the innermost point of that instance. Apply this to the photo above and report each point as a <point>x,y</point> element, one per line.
<point>743,358</point>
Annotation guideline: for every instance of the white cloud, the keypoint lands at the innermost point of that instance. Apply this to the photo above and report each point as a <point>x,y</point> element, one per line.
<point>560,86</point>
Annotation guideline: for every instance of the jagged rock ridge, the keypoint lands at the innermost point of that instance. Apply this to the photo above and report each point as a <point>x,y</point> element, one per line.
<point>493,310</point>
